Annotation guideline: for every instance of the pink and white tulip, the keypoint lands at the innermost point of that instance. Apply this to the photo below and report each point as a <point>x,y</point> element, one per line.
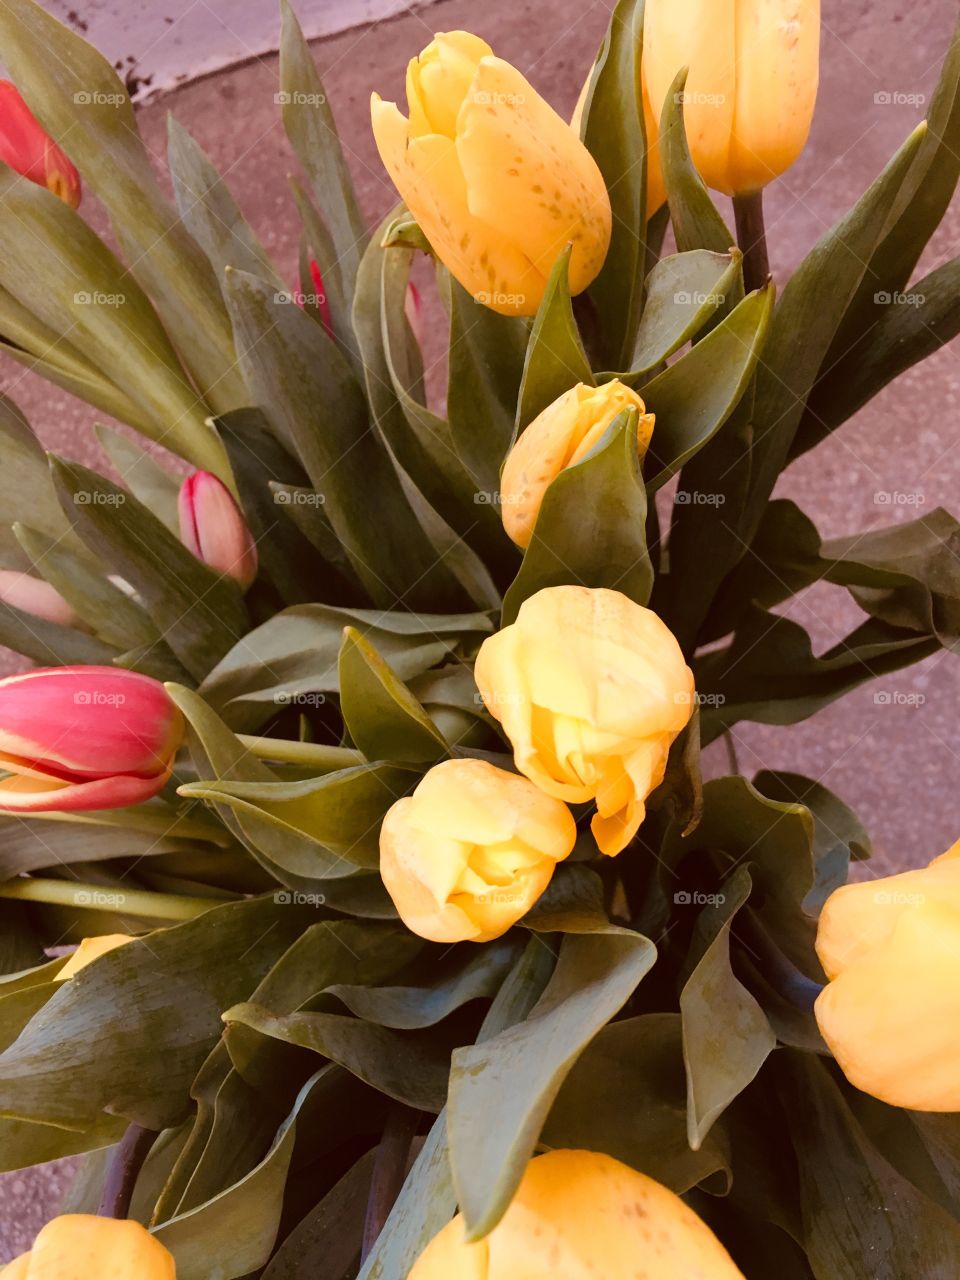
<point>78,738</point>
<point>26,147</point>
<point>213,528</point>
<point>33,595</point>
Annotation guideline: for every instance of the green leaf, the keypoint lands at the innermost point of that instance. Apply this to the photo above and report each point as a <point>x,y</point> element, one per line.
<point>683,292</point>
<point>501,1091</point>
<point>555,359</point>
<point>129,1032</point>
<point>309,124</point>
<point>726,1035</point>
<point>143,476</point>
<point>382,716</point>
<point>695,395</point>
<point>614,134</point>
<point>200,613</point>
<point>591,528</point>
<point>26,489</point>
<point>48,643</point>
<point>696,222</point>
<point>329,1237</point>
<point>23,1145</point>
<point>82,102</point>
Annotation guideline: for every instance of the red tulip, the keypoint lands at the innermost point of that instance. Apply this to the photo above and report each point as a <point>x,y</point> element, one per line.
<point>213,528</point>
<point>74,738</point>
<point>26,147</point>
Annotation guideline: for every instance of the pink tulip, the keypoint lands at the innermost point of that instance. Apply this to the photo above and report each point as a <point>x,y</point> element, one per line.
<point>26,147</point>
<point>213,528</point>
<point>32,595</point>
<point>75,738</point>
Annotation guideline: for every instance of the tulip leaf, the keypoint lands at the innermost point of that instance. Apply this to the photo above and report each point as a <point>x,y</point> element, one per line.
<point>308,393</point>
<point>726,1035</point>
<point>330,1236</point>
<point>143,476</point>
<point>625,1096</point>
<point>591,526</point>
<point>428,1200</point>
<point>382,716</point>
<point>129,1032</point>
<point>209,211</point>
<point>23,1144</point>
<point>855,1205</point>
<point>695,395</point>
<point>683,292</point>
<point>696,222</point>
<point>486,369</point>
<point>518,1074</point>
<point>613,130</point>
<point>309,124</point>
<point>555,359</point>
<point>26,488</point>
<point>50,644</point>
<point>200,612</point>
<point>82,102</point>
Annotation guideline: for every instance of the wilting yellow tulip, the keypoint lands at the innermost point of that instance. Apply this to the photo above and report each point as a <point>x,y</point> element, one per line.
<point>591,690</point>
<point>564,433</point>
<point>656,191</point>
<point>578,1214</point>
<point>498,182</point>
<point>752,82</point>
<point>78,1246</point>
<point>91,949</point>
<point>471,851</point>
<point>891,1011</point>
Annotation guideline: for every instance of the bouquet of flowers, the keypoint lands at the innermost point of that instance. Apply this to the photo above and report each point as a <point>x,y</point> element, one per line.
<point>363,911</point>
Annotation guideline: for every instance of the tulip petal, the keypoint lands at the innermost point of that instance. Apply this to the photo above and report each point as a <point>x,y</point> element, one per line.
<point>439,79</point>
<point>529,176</point>
<point>79,1246</point>
<point>91,949</point>
<point>22,794</point>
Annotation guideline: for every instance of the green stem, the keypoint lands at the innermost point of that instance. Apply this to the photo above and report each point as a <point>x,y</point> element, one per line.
<point>99,897</point>
<point>311,754</point>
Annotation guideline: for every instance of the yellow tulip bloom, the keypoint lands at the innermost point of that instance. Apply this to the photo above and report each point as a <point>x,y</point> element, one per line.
<point>79,1246</point>
<point>91,949</point>
<point>471,851</point>
<point>752,82</point>
<point>891,1011</point>
<point>563,434</point>
<point>498,182</point>
<point>578,1214</point>
<point>591,690</point>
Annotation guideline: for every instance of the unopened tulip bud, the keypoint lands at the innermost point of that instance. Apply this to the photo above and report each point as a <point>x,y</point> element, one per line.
<point>563,434</point>
<point>471,851</point>
<point>78,1246</point>
<point>497,181</point>
<point>213,528</point>
<point>91,949</point>
<point>580,1214</point>
<point>891,1010</point>
<point>318,299</point>
<point>77,738</point>
<point>33,595</point>
<point>751,85</point>
<point>591,690</point>
<point>26,147</point>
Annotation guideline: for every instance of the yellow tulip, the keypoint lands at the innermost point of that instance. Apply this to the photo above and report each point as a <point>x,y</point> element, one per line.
<point>579,1214</point>
<point>471,851</point>
<point>563,434</point>
<point>80,1246</point>
<point>591,690</point>
<point>656,191</point>
<point>498,182</point>
<point>91,949</point>
<point>891,1011</point>
<point>752,82</point>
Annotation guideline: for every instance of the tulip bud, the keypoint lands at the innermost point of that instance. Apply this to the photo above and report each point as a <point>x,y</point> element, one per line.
<point>471,851</point>
<point>319,298</point>
<point>563,434</point>
<point>498,182</point>
<point>656,191</point>
<point>751,86</point>
<point>91,949</point>
<point>413,310</point>
<point>26,147</point>
<point>213,528</point>
<point>77,1246</point>
<point>76,738</point>
<point>591,690</point>
<point>890,1013</point>
<point>33,595</point>
<point>579,1214</point>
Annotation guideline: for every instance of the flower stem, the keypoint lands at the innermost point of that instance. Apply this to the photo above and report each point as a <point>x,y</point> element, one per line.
<point>389,1171</point>
<point>123,1171</point>
<point>99,897</point>
<point>310,754</point>
<point>752,239</point>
